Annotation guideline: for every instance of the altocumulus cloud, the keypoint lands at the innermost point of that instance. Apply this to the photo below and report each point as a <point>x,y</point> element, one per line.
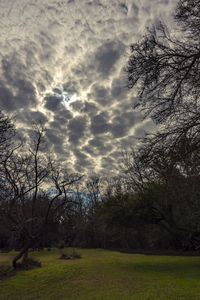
<point>61,63</point>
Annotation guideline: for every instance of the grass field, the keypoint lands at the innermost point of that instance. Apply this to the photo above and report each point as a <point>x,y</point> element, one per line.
<point>104,275</point>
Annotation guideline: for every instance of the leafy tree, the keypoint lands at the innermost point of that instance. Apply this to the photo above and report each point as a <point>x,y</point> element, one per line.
<point>165,172</point>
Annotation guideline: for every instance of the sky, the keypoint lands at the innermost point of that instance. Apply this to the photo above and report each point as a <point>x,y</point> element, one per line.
<point>62,64</point>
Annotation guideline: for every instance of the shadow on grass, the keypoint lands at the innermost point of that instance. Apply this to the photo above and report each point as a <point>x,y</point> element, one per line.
<point>161,252</point>
<point>179,269</point>
<point>6,271</point>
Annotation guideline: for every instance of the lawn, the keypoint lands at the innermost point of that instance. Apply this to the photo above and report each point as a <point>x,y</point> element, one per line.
<point>105,275</point>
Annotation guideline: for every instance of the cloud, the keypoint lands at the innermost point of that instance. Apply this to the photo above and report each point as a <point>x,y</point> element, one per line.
<point>118,88</point>
<point>16,91</point>
<point>61,119</point>
<point>89,108</point>
<point>107,56</point>
<point>123,122</point>
<point>53,102</point>
<point>76,130</point>
<point>31,117</point>
<point>100,124</point>
<point>61,63</point>
<point>100,94</point>
<point>101,145</point>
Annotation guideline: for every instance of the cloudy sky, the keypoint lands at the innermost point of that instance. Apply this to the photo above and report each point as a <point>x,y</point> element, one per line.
<point>61,63</point>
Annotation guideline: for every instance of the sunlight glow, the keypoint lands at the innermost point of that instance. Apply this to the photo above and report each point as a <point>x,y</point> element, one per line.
<point>56,88</point>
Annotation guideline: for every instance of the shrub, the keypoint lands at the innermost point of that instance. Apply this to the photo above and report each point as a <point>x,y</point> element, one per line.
<point>72,255</point>
<point>29,263</point>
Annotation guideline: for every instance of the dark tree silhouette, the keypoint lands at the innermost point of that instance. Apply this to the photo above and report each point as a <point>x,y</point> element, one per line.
<point>165,68</point>
<point>27,176</point>
<point>7,132</point>
<point>187,15</point>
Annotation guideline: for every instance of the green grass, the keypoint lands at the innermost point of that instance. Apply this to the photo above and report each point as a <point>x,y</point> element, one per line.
<point>104,275</point>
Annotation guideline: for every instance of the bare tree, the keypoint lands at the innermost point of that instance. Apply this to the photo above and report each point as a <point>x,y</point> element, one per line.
<point>93,188</point>
<point>165,69</point>
<point>29,174</point>
<point>187,15</point>
<point>7,132</point>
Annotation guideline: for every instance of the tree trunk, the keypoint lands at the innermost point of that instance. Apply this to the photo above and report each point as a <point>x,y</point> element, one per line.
<point>24,253</point>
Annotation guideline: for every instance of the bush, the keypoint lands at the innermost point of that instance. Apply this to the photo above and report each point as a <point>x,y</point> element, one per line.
<point>75,254</point>
<point>29,263</point>
<point>64,256</point>
<point>72,255</point>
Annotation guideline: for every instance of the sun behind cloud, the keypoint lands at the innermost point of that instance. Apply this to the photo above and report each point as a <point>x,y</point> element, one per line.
<point>61,62</point>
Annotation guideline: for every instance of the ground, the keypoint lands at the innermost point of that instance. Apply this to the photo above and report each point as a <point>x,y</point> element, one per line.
<point>104,275</point>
